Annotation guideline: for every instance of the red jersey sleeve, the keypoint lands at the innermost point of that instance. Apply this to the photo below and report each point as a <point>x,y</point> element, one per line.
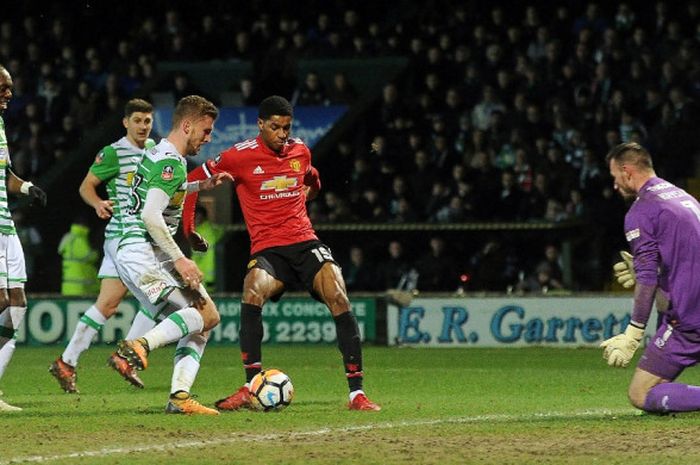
<point>196,174</point>
<point>220,164</point>
<point>312,179</point>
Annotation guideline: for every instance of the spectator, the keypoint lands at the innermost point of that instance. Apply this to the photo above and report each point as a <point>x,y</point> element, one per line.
<point>437,269</point>
<point>342,92</point>
<point>311,91</point>
<point>358,273</point>
<point>492,267</point>
<point>394,268</point>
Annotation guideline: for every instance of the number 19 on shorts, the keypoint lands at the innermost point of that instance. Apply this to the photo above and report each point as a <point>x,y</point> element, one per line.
<point>323,254</point>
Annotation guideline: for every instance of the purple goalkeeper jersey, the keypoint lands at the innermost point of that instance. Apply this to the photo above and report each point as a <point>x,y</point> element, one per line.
<point>663,229</point>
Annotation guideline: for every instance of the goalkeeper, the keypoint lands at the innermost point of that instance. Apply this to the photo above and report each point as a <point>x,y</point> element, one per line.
<point>663,230</point>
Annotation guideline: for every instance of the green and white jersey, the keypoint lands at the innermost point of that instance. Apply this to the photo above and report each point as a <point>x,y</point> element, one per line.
<point>164,168</point>
<point>116,165</point>
<point>6,224</point>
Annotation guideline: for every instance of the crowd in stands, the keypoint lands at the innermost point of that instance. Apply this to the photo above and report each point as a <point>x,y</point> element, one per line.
<point>504,113</point>
<point>63,84</point>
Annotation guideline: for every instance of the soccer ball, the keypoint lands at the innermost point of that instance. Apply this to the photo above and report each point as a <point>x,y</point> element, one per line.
<point>271,390</point>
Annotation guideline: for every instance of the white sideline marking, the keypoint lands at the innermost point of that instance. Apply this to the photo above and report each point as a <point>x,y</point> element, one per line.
<point>320,432</point>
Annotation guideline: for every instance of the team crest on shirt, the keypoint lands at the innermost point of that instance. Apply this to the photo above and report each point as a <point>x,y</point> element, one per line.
<point>99,157</point>
<point>295,165</point>
<point>167,173</point>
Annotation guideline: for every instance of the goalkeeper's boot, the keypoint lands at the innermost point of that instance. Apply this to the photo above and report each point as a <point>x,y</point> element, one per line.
<point>236,401</point>
<point>65,375</point>
<point>134,352</point>
<point>182,402</point>
<point>5,407</point>
<point>122,367</point>
<point>361,402</point>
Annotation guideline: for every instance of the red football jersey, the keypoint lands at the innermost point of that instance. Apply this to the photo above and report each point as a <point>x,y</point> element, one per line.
<point>270,188</point>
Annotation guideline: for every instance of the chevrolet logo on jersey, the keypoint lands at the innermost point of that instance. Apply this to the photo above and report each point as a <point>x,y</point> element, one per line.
<point>278,183</point>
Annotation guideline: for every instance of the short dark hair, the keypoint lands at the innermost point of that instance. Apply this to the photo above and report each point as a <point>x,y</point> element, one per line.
<point>274,105</point>
<point>194,106</point>
<point>137,105</point>
<point>632,153</point>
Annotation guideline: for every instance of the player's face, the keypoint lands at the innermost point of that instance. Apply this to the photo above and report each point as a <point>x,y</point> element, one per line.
<point>199,133</point>
<point>138,127</point>
<point>622,180</point>
<point>275,131</point>
<point>5,89</point>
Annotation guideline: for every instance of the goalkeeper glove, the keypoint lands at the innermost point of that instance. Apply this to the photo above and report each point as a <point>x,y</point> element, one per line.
<point>624,270</point>
<point>620,349</point>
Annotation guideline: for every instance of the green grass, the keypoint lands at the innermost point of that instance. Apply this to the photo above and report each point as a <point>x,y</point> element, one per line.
<point>441,406</point>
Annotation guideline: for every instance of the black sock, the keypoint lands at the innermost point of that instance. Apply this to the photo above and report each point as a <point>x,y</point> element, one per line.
<point>250,335</point>
<point>349,344</point>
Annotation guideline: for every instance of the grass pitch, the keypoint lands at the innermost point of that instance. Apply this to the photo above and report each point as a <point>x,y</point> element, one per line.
<point>440,406</point>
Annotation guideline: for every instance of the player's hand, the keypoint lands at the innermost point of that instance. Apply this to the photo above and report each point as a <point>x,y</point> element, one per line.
<point>197,242</point>
<point>619,350</point>
<point>624,270</point>
<point>310,193</point>
<point>104,209</point>
<point>37,195</point>
<point>189,272</point>
<point>214,181</point>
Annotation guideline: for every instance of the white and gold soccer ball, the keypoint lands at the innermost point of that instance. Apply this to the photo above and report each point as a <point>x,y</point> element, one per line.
<point>271,389</point>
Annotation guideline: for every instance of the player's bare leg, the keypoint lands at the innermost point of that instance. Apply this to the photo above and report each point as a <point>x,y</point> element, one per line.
<point>14,305</point>
<point>330,286</point>
<point>258,287</point>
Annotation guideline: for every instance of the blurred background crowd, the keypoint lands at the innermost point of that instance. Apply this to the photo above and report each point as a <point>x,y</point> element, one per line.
<point>503,114</point>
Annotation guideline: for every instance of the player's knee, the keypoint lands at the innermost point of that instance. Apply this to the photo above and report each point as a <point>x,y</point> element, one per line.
<point>637,396</point>
<point>4,299</point>
<point>210,315</point>
<point>253,296</point>
<point>107,308</point>
<point>16,298</point>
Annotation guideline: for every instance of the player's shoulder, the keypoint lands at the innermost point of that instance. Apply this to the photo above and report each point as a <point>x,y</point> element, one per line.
<point>108,152</point>
<point>296,145</point>
<point>163,151</point>
<point>244,146</point>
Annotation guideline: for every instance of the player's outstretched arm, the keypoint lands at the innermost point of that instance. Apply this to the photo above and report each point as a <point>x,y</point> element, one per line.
<point>16,185</point>
<point>88,192</point>
<point>214,181</point>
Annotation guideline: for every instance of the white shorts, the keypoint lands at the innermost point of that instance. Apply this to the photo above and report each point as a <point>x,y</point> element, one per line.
<point>108,268</point>
<point>13,273</point>
<point>150,276</point>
